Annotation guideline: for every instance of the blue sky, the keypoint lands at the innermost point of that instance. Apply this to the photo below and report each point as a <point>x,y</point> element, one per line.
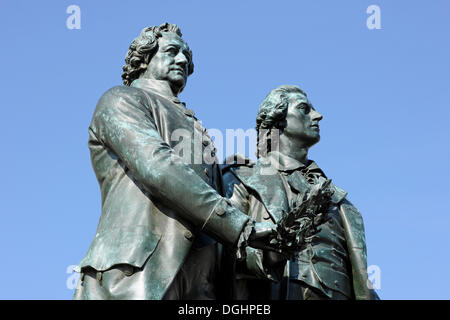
<point>384,95</point>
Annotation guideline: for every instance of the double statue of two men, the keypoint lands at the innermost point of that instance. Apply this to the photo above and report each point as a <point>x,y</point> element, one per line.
<point>174,228</point>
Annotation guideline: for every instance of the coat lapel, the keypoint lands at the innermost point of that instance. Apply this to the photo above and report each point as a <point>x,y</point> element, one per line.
<point>266,182</point>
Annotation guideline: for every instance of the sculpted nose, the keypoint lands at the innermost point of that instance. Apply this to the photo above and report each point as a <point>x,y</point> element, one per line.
<point>181,59</point>
<point>316,116</point>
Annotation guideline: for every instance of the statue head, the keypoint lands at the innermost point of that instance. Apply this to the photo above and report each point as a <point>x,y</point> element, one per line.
<point>288,110</point>
<point>159,53</point>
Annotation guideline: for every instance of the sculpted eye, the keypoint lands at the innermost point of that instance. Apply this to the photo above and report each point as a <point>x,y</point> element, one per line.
<point>304,106</point>
<point>172,50</point>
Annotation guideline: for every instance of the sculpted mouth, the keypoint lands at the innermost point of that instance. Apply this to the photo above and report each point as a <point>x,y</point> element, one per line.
<point>178,69</point>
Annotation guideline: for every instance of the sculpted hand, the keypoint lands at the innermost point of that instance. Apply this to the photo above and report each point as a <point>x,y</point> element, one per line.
<point>261,235</point>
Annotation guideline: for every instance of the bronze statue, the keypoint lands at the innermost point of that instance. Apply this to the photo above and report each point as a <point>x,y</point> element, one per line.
<point>161,214</point>
<point>332,263</point>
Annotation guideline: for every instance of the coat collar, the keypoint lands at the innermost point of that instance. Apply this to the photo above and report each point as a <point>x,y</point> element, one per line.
<point>161,88</point>
<point>158,86</point>
<point>264,178</point>
<point>283,162</point>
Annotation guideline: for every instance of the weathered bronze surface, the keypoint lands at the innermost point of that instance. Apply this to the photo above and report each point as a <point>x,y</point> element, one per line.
<point>167,229</point>
<point>161,214</point>
<point>332,263</point>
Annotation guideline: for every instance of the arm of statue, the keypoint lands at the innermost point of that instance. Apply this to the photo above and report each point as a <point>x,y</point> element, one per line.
<point>353,224</point>
<point>123,123</point>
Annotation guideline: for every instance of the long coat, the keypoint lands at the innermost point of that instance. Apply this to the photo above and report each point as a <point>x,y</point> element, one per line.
<point>154,204</point>
<point>264,182</point>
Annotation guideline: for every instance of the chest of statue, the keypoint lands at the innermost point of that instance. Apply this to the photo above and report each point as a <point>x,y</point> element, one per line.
<point>324,263</point>
<point>186,136</point>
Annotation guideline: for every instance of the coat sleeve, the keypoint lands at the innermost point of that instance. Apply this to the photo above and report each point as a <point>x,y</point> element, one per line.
<point>356,244</point>
<point>123,123</point>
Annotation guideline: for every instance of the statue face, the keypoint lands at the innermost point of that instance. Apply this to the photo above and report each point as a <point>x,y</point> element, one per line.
<point>171,62</point>
<point>302,120</point>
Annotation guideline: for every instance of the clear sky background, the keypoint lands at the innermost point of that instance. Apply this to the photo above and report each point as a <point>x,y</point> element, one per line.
<point>384,94</point>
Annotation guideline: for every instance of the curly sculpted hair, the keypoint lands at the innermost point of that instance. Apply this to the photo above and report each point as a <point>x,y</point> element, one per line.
<point>272,115</point>
<point>142,50</point>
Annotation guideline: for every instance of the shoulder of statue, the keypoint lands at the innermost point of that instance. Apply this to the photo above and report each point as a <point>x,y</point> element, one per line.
<point>119,94</point>
<point>232,170</point>
<point>236,165</point>
<point>119,102</point>
<point>339,194</point>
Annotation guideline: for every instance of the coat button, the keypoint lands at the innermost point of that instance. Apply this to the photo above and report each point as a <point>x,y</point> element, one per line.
<point>188,235</point>
<point>220,211</point>
<point>206,171</point>
<point>99,276</point>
